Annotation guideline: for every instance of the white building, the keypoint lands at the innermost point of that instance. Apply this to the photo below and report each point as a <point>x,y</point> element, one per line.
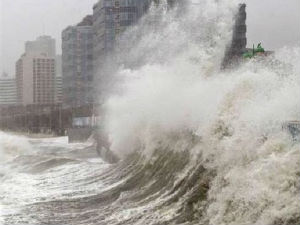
<point>35,78</point>
<point>36,72</point>
<point>8,95</point>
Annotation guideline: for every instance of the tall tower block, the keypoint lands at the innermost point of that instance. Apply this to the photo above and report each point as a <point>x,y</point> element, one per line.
<point>239,40</point>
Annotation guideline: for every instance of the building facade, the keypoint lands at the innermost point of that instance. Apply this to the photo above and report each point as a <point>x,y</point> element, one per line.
<point>77,63</point>
<point>35,79</point>
<point>239,38</point>
<point>36,71</point>
<point>58,89</point>
<point>110,19</point>
<point>58,80</point>
<point>8,92</point>
<point>43,44</point>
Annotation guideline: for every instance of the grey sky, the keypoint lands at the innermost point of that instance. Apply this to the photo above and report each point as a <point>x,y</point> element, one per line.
<point>275,23</point>
<point>24,20</point>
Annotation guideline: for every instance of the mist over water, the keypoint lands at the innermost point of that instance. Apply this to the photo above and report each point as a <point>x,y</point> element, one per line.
<point>178,90</point>
<point>12,146</point>
<point>169,62</point>
<point>170,79</point>
<point>198,145</point>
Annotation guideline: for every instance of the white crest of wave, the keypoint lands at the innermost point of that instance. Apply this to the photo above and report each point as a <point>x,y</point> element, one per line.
<point>238,114</point>
<point>12,145</point>
<point>168,67</point>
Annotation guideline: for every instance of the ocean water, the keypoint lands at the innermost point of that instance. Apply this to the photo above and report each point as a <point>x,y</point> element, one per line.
<point>197,145</point>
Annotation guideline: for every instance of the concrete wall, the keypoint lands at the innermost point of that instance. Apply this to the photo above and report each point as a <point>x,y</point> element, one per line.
<point>80,134</point>
<point>103,146</point>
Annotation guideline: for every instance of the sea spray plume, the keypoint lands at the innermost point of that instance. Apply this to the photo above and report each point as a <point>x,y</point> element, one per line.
<point>172,51</point>
<point>257,181</point>
<point>199,29</point>
<point>164,34</point>
<point>230,171</point>
<point>247,171</point>
<point>12,146</point>
<point>213,140</point>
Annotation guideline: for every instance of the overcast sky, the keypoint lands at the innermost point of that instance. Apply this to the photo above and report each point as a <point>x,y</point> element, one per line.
<point>275,23</point>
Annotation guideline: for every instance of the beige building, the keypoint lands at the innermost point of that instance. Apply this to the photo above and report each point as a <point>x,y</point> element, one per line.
<point>36,71</point>
<point>35,78</point>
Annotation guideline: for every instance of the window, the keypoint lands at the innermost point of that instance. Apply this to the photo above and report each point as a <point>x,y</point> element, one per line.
<point>107,3</point>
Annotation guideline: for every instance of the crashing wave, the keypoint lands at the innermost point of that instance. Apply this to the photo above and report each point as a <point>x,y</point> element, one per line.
<point>211,141</point>
<point>197,145</point>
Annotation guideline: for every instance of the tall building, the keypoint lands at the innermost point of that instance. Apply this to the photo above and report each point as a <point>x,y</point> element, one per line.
<point>35,72</point>
<point>239,38</point>
<point>77,63</point>
<point>58,89</point>
<point>8,95</point>
<point>58,79</point>
<point>58,65</point>
<point>110,19</point>
<point>170,3</point>
<point>35,76</point>
<point>43,44</point>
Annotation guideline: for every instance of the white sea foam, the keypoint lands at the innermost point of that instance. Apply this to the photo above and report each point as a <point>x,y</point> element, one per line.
<point>238,114</point>
<point>12,146</point>
<point>172,88</point>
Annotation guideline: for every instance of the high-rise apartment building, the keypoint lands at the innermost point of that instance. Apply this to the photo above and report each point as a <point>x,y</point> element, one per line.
<point>58,89</point>
<point>43,44</point>
<point>239,40</point>
<point>35,76</point>
<point>35,73</point>
<point>77,63</point>
<point>8,95</point>
<point>58,79</point>
<point>110,19</point>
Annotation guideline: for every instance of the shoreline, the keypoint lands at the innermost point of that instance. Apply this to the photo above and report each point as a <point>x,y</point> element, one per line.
<point>31,135</point>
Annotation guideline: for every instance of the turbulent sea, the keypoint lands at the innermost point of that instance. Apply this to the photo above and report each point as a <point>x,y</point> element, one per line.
<point>197,145</point>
